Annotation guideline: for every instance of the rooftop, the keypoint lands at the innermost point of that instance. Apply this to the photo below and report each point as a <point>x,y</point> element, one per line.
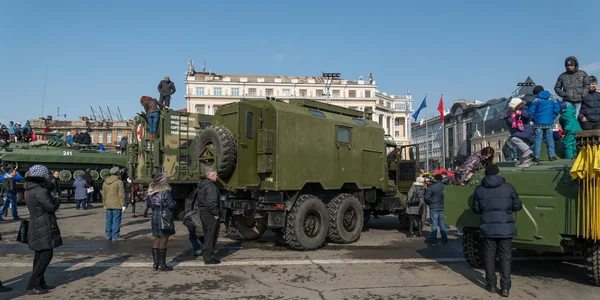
<point>209,76</point>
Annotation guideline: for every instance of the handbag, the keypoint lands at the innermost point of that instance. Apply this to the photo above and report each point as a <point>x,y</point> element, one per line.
<point>23,234</point>
<point>165,219</point>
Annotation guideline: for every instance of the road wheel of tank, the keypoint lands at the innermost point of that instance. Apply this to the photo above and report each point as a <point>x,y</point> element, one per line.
<point>345,219</point>
<point>9,165</point>
<point>245,229</point>
<point>217,147</point>
<point>473,247</point>
<point>307,224</point>
<point>592,262</point>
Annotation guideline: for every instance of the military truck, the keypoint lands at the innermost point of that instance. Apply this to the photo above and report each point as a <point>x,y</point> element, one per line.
<point>305,169</point>
<point>552,218</point>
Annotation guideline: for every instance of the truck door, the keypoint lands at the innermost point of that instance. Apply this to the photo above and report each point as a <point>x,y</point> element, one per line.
<point>343,143</point>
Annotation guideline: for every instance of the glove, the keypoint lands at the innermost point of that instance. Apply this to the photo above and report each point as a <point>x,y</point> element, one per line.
<point>123,209</point>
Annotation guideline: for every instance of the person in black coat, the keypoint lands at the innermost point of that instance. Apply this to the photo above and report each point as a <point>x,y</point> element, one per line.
<point>496,200</point>
<point>43,234</point>
<point>163,226</point>
<point>209,208</point>
<point>166,88</point>
<point>434,197</point>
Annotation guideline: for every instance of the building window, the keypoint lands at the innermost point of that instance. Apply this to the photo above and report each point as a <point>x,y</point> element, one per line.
<point>303,93</point>
<point>396,122</point>
<point>252,92</point>
<point>235,91</point>
<point>286,92</point>
<point>319,93</point>
<point>100,137</point>
<point>200,108</point>
<point>119,135</point>
<point>215,108</point>
<point>199,91</point>
<point>109,137</point>
<point>400,106</point>
<point>367,94</point>
<point>336,93</point>
<point>269,92</point>
<point>218,92</point>
<point>397,133</point>
<point>352,93</point>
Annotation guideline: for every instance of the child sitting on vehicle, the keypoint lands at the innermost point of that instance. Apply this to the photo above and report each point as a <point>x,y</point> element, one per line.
<point>521,132</point>
<point>474,163</point>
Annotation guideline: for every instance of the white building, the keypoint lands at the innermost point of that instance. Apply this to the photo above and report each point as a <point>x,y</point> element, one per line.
<point>206,91</point>
<point>428,135</point>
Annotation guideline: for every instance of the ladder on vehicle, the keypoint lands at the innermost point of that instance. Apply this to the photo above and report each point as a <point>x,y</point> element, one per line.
<point>183,149</point>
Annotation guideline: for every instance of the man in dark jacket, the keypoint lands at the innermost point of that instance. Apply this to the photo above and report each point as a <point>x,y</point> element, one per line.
<point>209,208</point>
<point>44,234</point>
<point>166,88</point>
<point>572,84</point>
<point>123,145</point>
<point>495,200</point>
<point>87,176</point>
<point>10,194</point>
<point>434,197</point>
<point>589,116</point>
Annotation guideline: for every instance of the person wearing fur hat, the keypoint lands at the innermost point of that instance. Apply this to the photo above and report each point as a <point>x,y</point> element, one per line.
<point>521,132</point>
<point>496,200</point>
<point>152,108</point>
<point>113,200</point>
<point>162,203</point>
<point>590,106</point>
<point>569,125</point>
<point>572,84</point>
<point>44,233</point>
<point>415,203</point>
<point>543,112</point>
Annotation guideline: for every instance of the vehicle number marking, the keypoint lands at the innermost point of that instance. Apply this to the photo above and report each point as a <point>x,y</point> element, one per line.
<point>67,153</point>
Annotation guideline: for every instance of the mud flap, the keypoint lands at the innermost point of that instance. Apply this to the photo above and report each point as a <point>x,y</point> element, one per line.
<point>276,219</point>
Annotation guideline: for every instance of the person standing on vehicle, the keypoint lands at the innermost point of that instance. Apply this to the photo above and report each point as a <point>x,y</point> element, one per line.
<point>496,200</point>
<point>113,199</point>
<point>10,194</point>
<point>414,206</point>
<point>152,108</point>
<point>166,88</point>
<point>572,84</point>
<point>159,196</point>
<point>209,208</point>
<point>434,197</point>
<point>589,115</point>
<point>43,233</point>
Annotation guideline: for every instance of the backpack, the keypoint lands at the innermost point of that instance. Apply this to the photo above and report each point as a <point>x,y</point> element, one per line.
<point>416,197</point>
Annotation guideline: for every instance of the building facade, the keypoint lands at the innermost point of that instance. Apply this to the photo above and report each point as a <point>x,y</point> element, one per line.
<point>206,92</point>
<point>105,132</point>
<point>428,135</point>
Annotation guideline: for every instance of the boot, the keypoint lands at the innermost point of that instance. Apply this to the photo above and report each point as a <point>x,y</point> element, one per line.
<point>162,257</point>
<point>411,229</point>
<point>4,289</point>
<point>155,257</point>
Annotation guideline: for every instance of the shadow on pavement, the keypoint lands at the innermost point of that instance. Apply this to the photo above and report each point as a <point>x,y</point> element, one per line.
<point>131,223</point>
<point>222,251</point>
<point>138,232</point>
<point>63,276</point>
<point>74,216</point>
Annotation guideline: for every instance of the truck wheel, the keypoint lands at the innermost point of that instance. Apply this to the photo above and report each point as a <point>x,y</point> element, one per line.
<point>307,224</point>
<point>217,147</point>
<point>592,263</point>
<point>473,247</point>
<point>345,219</point>
<point>245,229</point>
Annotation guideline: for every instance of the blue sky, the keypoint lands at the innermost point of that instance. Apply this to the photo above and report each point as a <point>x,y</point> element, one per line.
<point>111,52</point>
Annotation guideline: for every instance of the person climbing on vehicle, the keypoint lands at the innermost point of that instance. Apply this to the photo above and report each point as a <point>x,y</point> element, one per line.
<point>152,108</point>
<point>474,163</point>
<point>543,112</point>
<point>414,206</point>
<point>521,131</point>
<point>496,200</point>
<point>191,220</point>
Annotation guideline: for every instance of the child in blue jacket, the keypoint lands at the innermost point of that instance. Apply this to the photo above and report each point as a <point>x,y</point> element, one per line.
<point>543,112</point>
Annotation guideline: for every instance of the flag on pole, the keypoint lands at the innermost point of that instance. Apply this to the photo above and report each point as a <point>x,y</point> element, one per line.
<point>441,107</point>
<point>423,105</point>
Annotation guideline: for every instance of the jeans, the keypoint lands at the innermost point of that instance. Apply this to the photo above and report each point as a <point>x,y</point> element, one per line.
<point>12,200</point>
<point>539,134</point>
<point>81,203</point>
<point>437,218</point>
<point>88,200</point>
<point>500,248</point>
<point>194,239</point>
<point>113,223</point>
<point>153,121</point>
<point>132,207</point>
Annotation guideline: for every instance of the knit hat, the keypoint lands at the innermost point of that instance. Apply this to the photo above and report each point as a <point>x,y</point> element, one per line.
<point>38,171</point>
<point>570,62</point>
<point>515,103</point>
<point>492,170</point>
<point>420,179</point>
<point>537,89</point>
<point>114,170</point>
<point>160,177</point>
<point>562,105</point>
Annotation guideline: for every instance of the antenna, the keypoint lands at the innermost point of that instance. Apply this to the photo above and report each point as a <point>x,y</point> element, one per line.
<point>120,115</point>
<point>204,67</point>
<point>102,113</point>
<point>58,113</point>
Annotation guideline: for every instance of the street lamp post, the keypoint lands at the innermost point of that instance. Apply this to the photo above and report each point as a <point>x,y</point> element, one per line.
<point>328,80</point>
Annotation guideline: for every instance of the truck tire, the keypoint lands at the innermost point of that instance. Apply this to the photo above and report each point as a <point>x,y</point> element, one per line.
<point>592,262</point>
<point>473,247</point>
<point>345,219</point>
<point>245,229</point>
<point>223,142</point>
<point>307,224</point>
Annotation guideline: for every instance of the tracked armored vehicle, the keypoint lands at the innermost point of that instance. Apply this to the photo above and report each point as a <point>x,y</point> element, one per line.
<point>305,169</point>
<point>71,161</point>
<point>560,214</point>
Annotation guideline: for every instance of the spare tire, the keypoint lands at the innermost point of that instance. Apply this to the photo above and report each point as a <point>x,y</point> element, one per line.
<point>220,141</point>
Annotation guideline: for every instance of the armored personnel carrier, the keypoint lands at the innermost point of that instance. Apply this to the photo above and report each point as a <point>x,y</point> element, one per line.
<point>561,209</point>
<point>70,160</point>
<point>304,169</point>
